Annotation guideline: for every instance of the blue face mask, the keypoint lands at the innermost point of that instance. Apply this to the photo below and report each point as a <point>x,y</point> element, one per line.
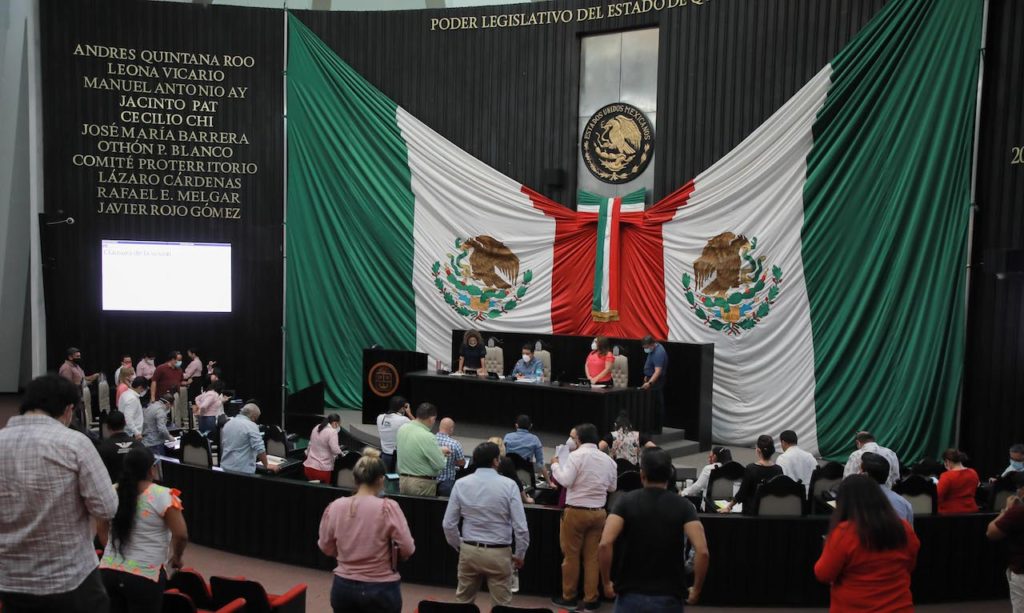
<point>648,349</point>
<point>177,364</point>
<point>1018,466</point>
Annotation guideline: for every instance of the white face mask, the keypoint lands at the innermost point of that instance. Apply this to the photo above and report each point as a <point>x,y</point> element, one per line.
<point>593,346</point>
<point>527,358</point>
<point>571,444</point>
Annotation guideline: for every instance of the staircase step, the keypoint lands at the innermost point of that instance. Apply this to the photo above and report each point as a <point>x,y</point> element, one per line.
<point>669,435</point>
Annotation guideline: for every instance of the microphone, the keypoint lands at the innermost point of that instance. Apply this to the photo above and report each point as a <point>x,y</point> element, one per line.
<point>69,220</point>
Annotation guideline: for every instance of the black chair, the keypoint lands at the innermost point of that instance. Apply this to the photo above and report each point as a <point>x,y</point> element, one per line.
<point>998,492</point>
<point>343,466</point>
<point>348,441</point>
<point>624,466</point>
<point>824,480</point>
<point>780,496</point>
<point>190,582</point>
<point>722,482</point>
<point>277,441</point>
<point>504,609</point>
<point>629,481</point>
<point>920,492</point>
<point>257,600</point>
<point>176,602</point>
<point>525,470</point>
<point>431,606</point>
<point>195,449</point>
<point>927,468</point>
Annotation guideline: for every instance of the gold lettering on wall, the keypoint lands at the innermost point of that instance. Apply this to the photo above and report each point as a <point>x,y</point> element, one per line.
<point>1016,155</point>
<point>165,154</point>
<point>546,18</point>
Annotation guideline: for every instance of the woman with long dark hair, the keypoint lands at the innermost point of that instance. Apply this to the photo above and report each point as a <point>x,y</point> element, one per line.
<point>472,352</point>
<point>367,535</point>
<point>756,473</point>
<point>869,552</point>
<point>623,442</point>
<point>599,362</point>
<point>136,541</point>
<point>958,485</point>
<point>323,449</point>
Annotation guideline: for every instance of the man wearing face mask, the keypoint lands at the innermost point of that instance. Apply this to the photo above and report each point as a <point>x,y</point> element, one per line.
<point>655,369</point>
<point>71,370</point>
<point>147,365</point>
<point>167,378</point>
<point>47,559</point>
<point>1016,460</point>
<point>527,367</point>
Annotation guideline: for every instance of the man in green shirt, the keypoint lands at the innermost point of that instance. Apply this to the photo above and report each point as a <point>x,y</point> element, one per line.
<point>420,459</point>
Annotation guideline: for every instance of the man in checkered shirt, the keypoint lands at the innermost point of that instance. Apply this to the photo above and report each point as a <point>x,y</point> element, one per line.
<point>452,461</point>
<point>52,481</point>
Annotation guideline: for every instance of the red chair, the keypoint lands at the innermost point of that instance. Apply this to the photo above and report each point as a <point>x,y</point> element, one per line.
<point>226,589</point>
<point>176,602</point>
<point>190,582</point>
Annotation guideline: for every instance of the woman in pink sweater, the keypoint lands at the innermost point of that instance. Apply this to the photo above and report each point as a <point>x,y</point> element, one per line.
<point>367,535</point>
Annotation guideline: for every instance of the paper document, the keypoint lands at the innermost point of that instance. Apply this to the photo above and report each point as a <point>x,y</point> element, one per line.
<point>721,504</point>
<point>562,452</point>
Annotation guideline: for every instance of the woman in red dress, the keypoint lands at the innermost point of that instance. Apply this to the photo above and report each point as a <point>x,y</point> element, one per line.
<point>958,485</point>
<point>869,552</point>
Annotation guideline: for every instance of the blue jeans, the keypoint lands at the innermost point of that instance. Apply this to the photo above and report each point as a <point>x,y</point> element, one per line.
<point>207,423</point>
<point>648,603</point>
<point>350,596</point>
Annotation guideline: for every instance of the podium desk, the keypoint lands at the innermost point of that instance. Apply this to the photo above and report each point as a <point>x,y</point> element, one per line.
<point>553,407</point>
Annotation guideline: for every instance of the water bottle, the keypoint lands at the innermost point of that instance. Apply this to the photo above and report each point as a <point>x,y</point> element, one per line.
<point>515,581</point>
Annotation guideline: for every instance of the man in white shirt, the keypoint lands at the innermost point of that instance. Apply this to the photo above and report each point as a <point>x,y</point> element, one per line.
<point>865,442</point>
<point>716,457</point>
<point>399,413</point>
<point>796,463</point>
<point>588,476</point>
<point>131,405</point>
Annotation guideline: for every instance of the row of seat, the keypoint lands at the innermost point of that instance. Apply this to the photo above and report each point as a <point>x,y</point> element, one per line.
<point>782,495</point>
<point>187,590</point>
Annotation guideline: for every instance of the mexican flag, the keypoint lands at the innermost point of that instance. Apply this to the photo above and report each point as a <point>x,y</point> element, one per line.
<point>395,235</point>
<point>823,256</point>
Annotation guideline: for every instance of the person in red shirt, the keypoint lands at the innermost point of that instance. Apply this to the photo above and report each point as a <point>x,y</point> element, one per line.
<point>167,377</point>
<point>599,362</point>
<point>1009,527</point>
<point>869,552</point>
<point>958,485</point>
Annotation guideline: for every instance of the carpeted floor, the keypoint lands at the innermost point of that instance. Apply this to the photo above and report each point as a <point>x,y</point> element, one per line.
<point>279,578</point>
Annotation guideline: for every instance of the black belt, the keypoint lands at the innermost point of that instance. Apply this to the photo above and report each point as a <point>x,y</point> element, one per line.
<point>572,506</point>
<point>417,477</point>
<point>485,545</point>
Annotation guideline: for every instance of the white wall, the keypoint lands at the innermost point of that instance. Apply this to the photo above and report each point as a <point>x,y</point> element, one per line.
<point>22,337</point>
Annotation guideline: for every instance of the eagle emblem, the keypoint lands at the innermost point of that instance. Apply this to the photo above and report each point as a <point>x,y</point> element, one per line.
<point>481,280</point>
<point>730,289</point>
<point>617,143</point>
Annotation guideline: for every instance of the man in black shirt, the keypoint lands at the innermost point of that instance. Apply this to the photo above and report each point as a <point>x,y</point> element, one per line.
<point>113,448</point>
<point>644,537</point>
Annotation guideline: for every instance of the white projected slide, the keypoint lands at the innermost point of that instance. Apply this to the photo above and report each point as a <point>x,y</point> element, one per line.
<point>190,277</point>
